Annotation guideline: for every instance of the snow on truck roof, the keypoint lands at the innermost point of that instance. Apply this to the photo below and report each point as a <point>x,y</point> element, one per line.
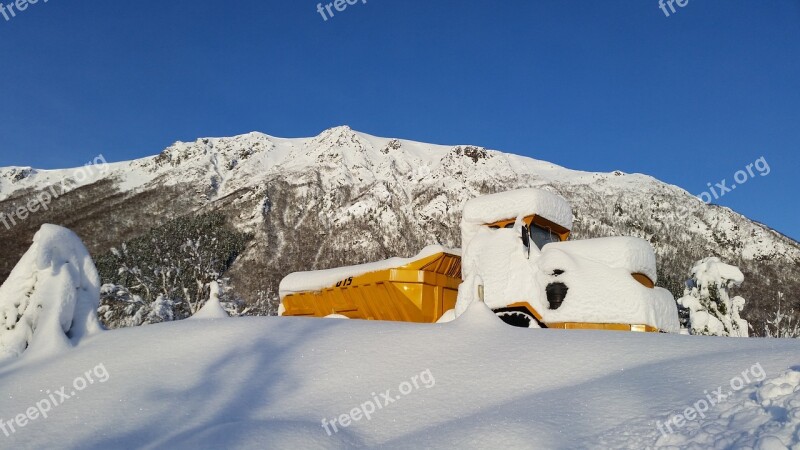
<point>317,280</point>
<point>521,202</point>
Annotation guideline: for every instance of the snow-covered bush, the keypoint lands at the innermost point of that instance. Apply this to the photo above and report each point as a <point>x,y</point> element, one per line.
<point>50,300</point>
<point>120,308</point>
<point>213,307</point>
<point>161,310</point>
<point>784,324</point>
<point>711,310</point>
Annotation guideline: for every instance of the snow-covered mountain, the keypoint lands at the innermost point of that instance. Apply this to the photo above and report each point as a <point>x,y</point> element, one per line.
<point>345,197</point>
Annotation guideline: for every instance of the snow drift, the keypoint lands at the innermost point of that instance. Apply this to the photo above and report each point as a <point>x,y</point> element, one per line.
<point>50,300</point>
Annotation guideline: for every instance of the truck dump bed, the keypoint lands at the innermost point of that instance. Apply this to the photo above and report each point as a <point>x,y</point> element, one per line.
<point>419,291</point>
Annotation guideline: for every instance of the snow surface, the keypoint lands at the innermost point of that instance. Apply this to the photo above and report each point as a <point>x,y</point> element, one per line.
<point>320,279</point>
<point>49,301</point>
<point>253,383</point>
<point>768,412</point>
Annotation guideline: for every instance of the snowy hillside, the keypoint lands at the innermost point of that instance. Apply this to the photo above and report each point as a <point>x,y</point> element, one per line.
<point>471,383</point>
<point>345,197</point>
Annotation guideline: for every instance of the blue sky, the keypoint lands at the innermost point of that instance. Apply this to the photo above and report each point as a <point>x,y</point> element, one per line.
<point>591,85</point>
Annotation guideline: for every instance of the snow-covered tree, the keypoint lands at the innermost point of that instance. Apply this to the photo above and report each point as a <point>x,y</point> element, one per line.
<point>49,302</point>
<point>712,312</point>
<point>165,275</point>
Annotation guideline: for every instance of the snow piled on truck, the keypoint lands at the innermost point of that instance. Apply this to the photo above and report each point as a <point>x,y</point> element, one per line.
<point>597,273</point>
<point>618,252</point>
<point>50,300</point>
<point>514,204</point>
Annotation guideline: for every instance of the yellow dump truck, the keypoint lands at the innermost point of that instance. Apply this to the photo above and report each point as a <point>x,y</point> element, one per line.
<point>521,225</point>
<point>418,290</point>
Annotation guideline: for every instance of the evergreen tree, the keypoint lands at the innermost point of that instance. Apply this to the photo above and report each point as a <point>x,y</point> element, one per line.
<point>711,310</point>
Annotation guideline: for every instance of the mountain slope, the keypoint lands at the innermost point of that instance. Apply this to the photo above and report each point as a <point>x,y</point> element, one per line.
<point>346,197</point>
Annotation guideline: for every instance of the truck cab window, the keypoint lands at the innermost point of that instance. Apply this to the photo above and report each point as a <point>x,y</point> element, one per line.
<point>541,236</point>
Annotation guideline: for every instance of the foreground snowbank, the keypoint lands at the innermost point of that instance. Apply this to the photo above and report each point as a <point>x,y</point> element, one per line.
<point>49,301</point>
<point>269,383</point>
